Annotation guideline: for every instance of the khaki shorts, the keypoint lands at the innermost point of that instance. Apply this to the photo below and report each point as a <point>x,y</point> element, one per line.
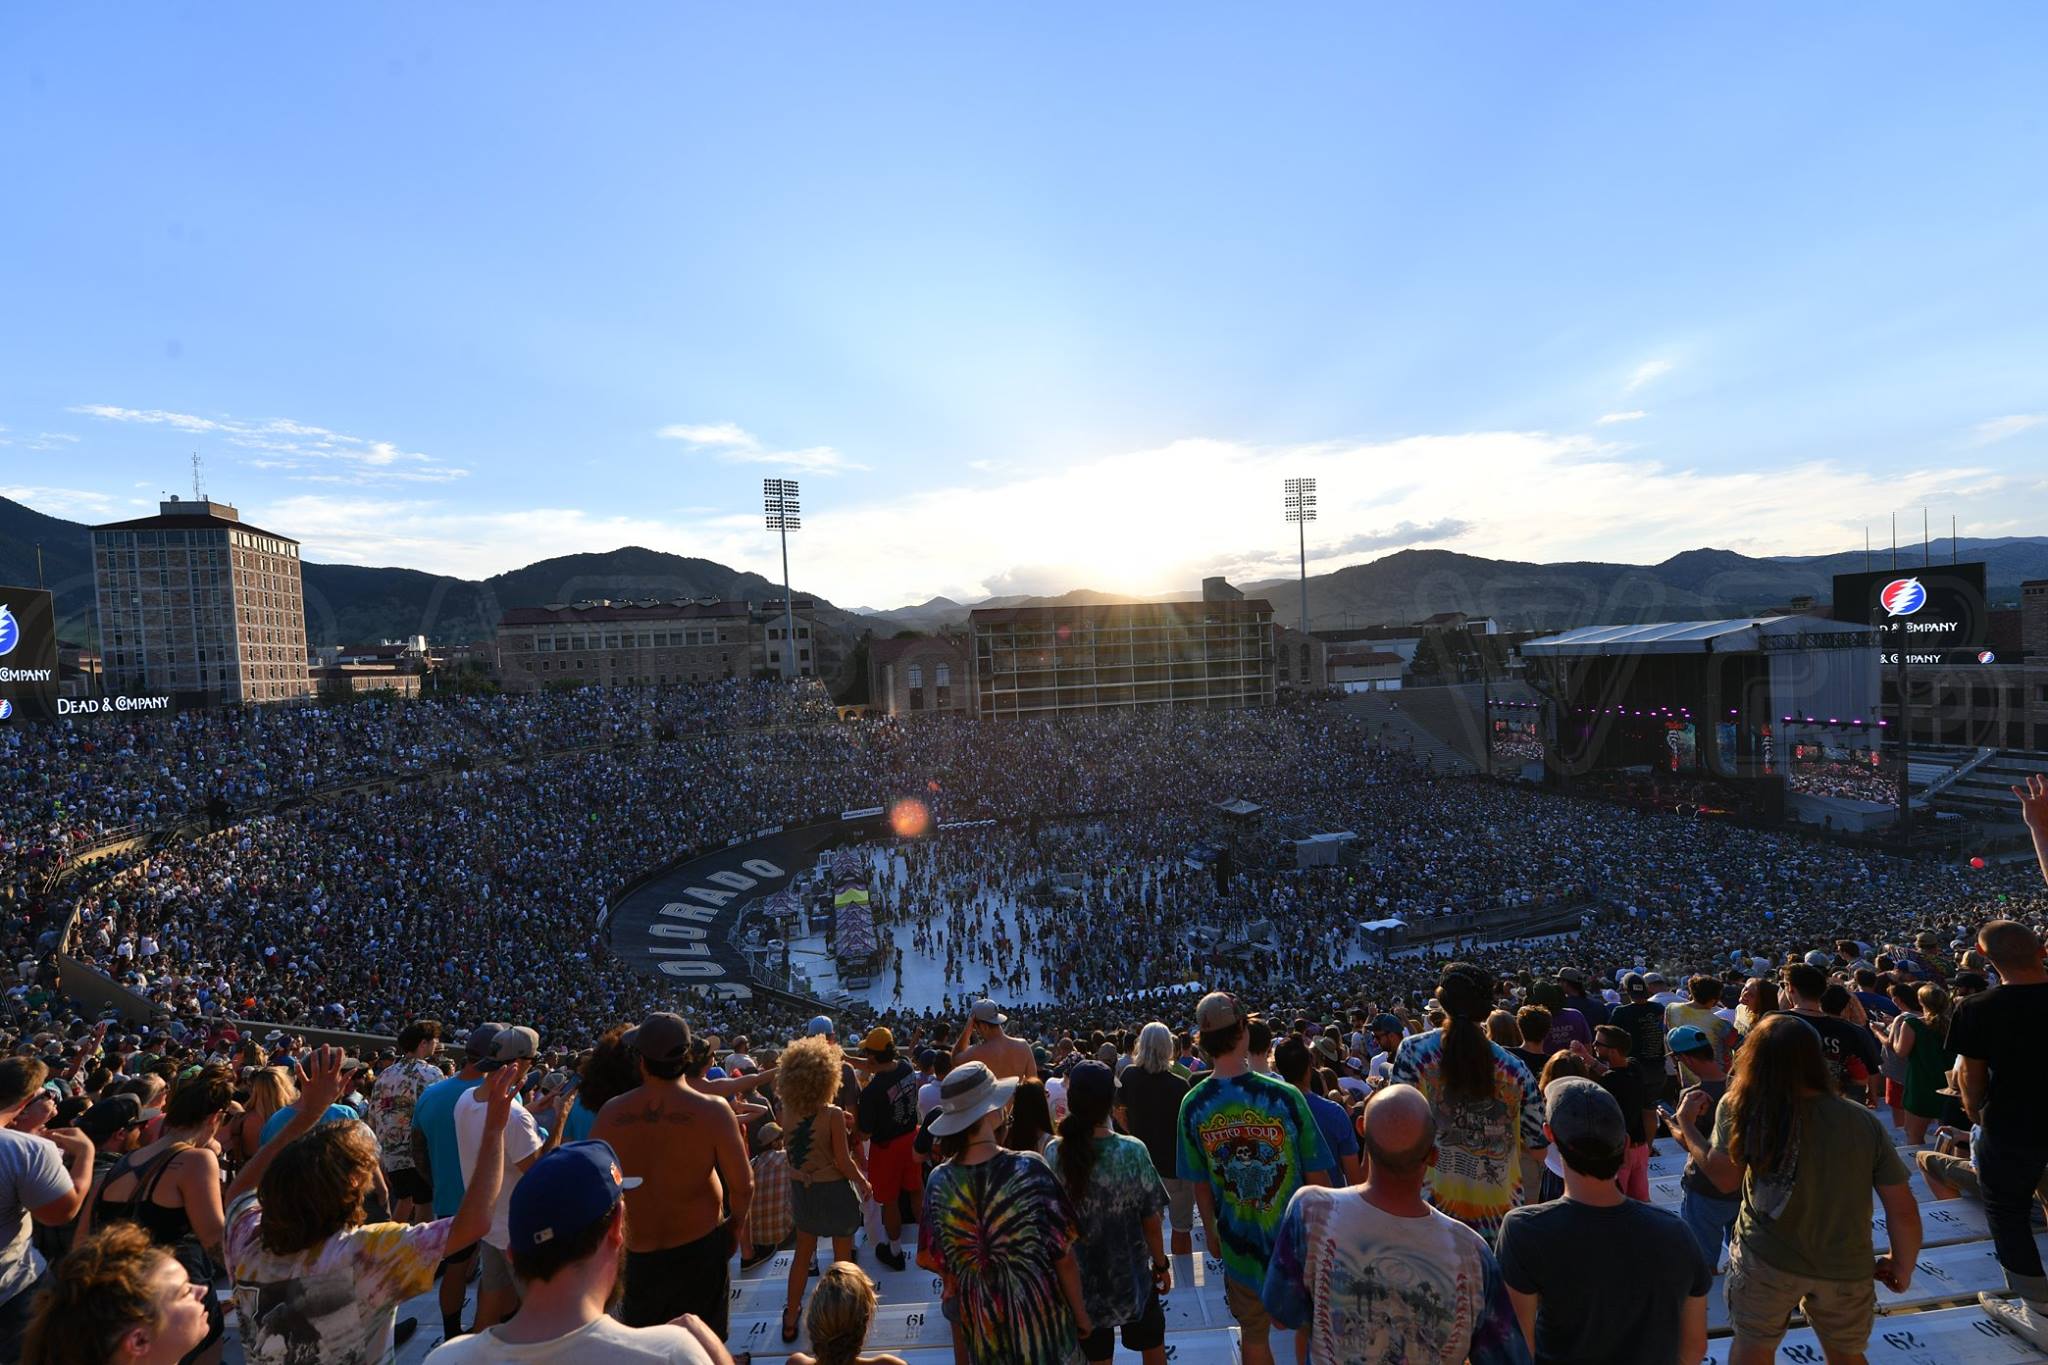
<point>1761,1300</point>
<point>1253,1326</point>
<point>1957,1171</point>
<point>1180,1204</point>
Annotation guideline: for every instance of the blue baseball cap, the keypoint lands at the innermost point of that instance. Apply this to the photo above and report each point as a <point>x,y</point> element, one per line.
<point>565,1192</point>
<point>1688,1038</point>
<point>819,1027</point>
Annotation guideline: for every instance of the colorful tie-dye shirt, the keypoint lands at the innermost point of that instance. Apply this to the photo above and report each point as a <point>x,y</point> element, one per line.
<point>995,1232</point>
<point>1477,1176</point>
<point>334,1304</point>
<point>1116,1261</point>
<point>1252,1140</point>
<point>1376,1289</point>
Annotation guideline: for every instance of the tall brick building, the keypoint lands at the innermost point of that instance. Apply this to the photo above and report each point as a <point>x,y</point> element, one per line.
<point>194,602</point>
<point>616,643</point>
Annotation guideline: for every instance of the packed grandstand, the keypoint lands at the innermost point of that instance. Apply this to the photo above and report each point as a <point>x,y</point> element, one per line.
<point>1575,1088</point>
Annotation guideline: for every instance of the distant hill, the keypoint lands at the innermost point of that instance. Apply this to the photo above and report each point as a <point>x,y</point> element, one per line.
<point>353,604</point>
<point>348,604</point>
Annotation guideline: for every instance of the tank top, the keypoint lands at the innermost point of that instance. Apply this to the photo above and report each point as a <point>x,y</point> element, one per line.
<point>167,1227</point>
<point>810,1148</point>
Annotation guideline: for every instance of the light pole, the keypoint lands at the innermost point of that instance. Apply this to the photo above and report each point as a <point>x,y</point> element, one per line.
<point>1301,510</point>
<point>779,501</point>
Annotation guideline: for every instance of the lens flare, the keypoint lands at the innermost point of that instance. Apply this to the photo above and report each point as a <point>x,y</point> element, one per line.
<point>909,818</point>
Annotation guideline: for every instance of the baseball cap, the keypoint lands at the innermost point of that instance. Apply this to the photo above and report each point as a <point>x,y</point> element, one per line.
<point>1384,1023</point>
<point>927,1057</point>
<point>516,1044</point>
<point>1090,1082</point>
<point>110,1116</point>
<point>565,1192</point>
<point>880,1043</point>
<point>1686,1038</point>
<point>1572,974</point>
<point>819,1027</point>
<point>478,1045</point>
<point>1548,994</point>
<point>662,1037</point>
<point>767,1135</point>
<point>1634,984</point>
<point>1582,1116</point>
<point>1819,959</point>
<point>985,1012</point>
<point>1218,1010</point>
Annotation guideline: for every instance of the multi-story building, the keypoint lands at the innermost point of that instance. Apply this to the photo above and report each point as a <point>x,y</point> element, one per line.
<point>1045,660</point>
<point>1301,661</point>
<point>612,644</point>
<point>194,602</point>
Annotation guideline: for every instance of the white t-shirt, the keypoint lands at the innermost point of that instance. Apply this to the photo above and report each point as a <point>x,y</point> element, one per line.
<point>606,1339</point>
<point>32,1174</point>
<point>522,1140</point>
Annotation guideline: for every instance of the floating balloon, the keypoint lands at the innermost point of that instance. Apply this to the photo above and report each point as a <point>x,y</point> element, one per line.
<point>1977,862</point>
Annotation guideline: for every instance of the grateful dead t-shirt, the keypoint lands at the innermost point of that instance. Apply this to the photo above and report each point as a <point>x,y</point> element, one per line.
<point>1253,1141</point>
<point>1477,1175</point>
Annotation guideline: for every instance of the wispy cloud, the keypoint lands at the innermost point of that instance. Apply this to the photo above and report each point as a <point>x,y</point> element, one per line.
<point>67,502</point>
<point>734,444</point>
<point>1608,419</point>
<point>298,450</point>
<point>41,440</point>
<point>2004,428</point>
<point>1646,372</point>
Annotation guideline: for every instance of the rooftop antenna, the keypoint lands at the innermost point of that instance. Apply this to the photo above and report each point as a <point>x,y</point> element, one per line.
<point>197,495</point>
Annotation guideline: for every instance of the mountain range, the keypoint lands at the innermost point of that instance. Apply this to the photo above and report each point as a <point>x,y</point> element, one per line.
<point>352,604</point>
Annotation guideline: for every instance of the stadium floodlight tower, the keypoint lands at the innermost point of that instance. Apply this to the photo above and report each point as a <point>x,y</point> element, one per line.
<point>1301,510</point>
<point>779,501</point>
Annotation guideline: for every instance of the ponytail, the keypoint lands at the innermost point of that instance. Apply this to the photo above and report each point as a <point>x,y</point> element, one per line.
<point>1077,1143</point>
<point>1466,993</point>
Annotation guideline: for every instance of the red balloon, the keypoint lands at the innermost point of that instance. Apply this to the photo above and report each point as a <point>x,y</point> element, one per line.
<point>1977,863</point>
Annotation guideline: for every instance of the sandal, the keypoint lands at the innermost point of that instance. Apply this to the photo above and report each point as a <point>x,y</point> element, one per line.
<point>791,1314</point>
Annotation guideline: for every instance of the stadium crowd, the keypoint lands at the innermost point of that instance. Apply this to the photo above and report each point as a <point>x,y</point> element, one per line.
<point>1495,1101</point>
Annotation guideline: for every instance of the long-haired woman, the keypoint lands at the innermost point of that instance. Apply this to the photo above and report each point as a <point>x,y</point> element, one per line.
<point>1030,1126</point>
<point>270,1089</point>
<point>118,1299</point>
<point>1488,1109</point>
<point>1921,1038</point>
<point>315,1280</point>
<point>1117,1199</point>
<point>1807,1160</point>
<point>826,1186</point>
<point>171,1189</point>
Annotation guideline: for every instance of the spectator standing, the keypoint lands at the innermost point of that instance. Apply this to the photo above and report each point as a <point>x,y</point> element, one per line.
<point>497,1293</point>
<point>1807,1160</point>
<point>1247,1143</point>
<point>1117,1198</point>
<point>999,1231</point>
<point>314,1283</point>
<point>1612,1070</point>
<point>1149,1092</point>
<point>1708,1209</point>
<point>1291,1060</point>
<point>1998,1035</point>
<point>567,1234</point>
<point>398,1088</point>
<point>1921,1038</point>
<point>887,1118</point>
<point>695,1185</point>
<point>1643,1020</point>
<point>1850,1050</point>
<point>1374,1275</point>
<point>983,1040</point>
<point>770,1219</point>
<point>1598,1277</point>
<point>827,1185</point>
<point>1702,1011</point>
<point>44,1178</point>
<point>435,1150</point>
<point>1487,1107</point>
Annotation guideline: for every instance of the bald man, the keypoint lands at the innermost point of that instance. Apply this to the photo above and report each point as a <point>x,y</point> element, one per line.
<point>1394,1253</point>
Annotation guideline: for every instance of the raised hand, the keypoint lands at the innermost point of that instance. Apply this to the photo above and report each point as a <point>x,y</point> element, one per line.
<point>324,1083</point>
<point>498,1092</point>
<point>2033,797</point>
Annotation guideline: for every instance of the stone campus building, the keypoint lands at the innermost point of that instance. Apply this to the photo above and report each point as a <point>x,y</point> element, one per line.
<point>607,643</point>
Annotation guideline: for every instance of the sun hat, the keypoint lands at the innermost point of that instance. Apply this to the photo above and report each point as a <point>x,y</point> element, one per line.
<point>969,1092</point>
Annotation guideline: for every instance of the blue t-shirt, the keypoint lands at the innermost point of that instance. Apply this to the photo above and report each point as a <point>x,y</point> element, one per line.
<point>1254,1141</point>
<point>576,1127</point>
<point>433,1113</point>
<point>275,1124</point>
<point>1335,1126</point>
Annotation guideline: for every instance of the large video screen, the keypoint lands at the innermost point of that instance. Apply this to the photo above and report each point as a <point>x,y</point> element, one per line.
<point>1936,614</point>
<point>28,655</point>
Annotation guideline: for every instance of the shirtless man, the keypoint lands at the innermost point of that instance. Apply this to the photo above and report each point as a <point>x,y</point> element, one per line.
<point>696,1183</point>
<point>984,1041</point>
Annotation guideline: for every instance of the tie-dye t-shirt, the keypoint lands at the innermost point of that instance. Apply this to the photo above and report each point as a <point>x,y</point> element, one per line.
<point>1115,1259</point>
<point>334,1304</point>
<point>995,1231</point>
<point>1252,1140</point>
<point>1477,1176</point>
<point>1376,1289</point>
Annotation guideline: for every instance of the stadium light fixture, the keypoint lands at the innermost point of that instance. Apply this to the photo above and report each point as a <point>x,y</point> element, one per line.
<point>1300,501</point>
<point>779,501</point>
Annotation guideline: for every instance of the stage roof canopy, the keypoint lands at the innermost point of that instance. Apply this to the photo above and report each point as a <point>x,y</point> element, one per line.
<point>1737,636</point>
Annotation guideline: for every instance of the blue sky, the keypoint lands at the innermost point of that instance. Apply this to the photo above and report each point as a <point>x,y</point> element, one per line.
<point>461,286</point>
